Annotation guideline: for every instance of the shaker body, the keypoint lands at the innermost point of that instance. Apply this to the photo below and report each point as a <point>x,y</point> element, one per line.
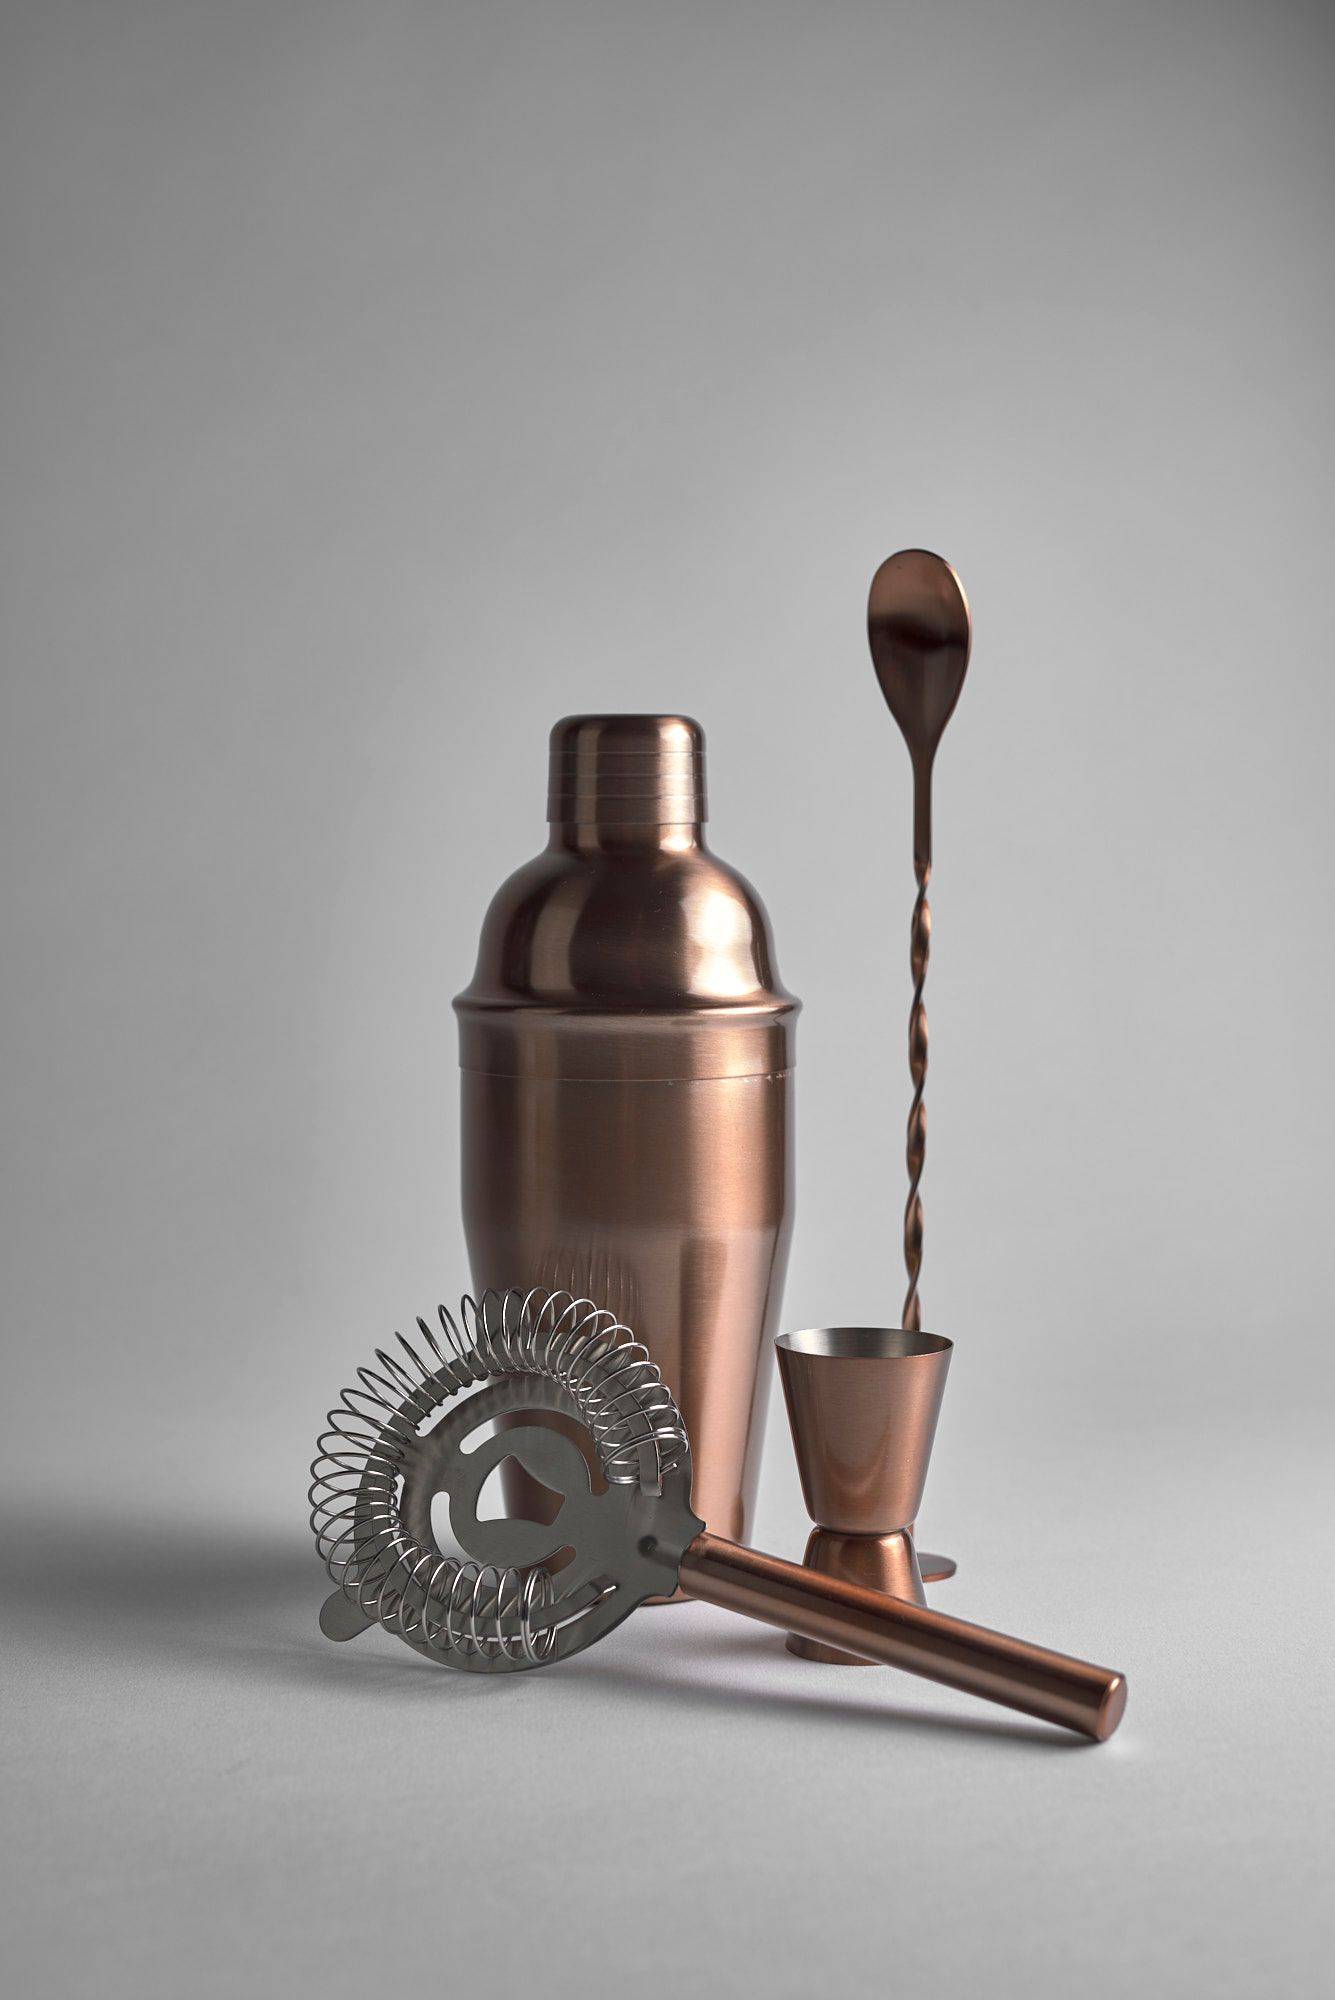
<point>668,1202</point>
<point>627,1058</point>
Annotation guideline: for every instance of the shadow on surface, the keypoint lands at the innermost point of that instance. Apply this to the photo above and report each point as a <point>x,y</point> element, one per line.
<point>78,1563</point>
<point>231,1597</point>
<point>240,1598</point>
<point>844,1697</point>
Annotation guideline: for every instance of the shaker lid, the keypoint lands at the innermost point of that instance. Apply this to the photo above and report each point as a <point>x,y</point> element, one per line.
<point>625,956</point>
<point>626,770</point>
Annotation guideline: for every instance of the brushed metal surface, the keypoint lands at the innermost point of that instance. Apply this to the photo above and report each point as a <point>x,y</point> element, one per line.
<point>863,1403</point>
<point>1074,1693</point>
<point>627,1120</point>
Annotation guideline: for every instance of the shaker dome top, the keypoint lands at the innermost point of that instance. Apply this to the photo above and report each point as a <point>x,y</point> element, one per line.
<point>627,770</point>
<point>626,948</point>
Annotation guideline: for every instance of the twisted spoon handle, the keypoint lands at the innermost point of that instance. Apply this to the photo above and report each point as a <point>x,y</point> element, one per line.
<point>1056,1688</point>
<point>920,944</point>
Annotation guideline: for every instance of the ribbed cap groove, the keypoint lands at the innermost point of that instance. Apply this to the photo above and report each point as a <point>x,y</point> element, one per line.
<point>626,770</point>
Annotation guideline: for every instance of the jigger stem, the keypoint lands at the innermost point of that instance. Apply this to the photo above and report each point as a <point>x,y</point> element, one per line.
<point>1072,1693</point>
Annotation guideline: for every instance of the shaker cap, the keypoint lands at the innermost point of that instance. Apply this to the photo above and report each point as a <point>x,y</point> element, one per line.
<point>624,955</point>
<point>626,770</point>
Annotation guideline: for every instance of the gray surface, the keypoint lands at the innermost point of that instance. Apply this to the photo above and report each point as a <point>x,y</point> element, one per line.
<point>381,382</point>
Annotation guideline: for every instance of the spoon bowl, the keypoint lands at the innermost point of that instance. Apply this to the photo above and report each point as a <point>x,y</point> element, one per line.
<point>919,630</point>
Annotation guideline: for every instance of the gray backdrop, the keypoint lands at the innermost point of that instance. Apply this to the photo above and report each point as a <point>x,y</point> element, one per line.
<point>382,381</point>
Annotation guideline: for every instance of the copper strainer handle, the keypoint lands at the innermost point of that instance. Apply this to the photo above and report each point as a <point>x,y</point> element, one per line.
<point>1052,1686</point>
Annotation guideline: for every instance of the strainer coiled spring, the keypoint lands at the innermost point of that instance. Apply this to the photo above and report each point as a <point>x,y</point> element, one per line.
<point>451,1609</point>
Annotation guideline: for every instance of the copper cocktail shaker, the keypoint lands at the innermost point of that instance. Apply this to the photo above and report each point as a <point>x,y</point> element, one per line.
<point>627,1057</point>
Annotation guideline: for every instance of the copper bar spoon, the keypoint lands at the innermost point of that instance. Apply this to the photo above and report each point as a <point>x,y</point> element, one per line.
<point>919,631</point>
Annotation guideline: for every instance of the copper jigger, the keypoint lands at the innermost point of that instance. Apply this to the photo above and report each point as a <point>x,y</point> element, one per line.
<point>862,1403</point>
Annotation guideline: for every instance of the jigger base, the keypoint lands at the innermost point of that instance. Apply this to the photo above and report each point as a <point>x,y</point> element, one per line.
<point>888,1563</point>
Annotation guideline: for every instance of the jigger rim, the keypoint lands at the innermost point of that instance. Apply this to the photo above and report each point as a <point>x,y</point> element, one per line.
<point>862,1343</point>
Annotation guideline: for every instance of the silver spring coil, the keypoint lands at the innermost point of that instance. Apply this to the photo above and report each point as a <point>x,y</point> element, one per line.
<point>442,1605</point>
